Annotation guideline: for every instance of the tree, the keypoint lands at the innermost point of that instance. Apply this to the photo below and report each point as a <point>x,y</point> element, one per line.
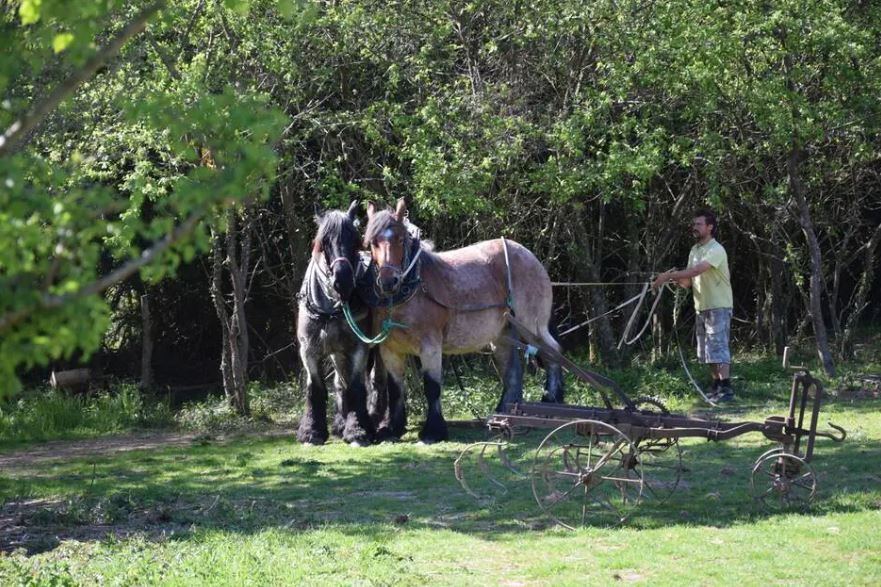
<point>68,201</point>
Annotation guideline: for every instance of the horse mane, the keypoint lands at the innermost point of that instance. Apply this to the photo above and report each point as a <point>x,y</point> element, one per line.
<point>333,225</point>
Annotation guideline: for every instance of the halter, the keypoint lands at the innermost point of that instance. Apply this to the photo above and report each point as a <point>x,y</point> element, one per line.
<point>396,269</point>
<point>323,276</point>
<point>347,262</point>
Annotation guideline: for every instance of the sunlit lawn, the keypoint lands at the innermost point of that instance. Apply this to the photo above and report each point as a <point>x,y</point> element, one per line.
<point>268,511</point>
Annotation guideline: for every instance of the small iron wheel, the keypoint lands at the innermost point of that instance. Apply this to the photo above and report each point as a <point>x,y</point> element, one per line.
<point>659,459</point>
<point>580,475</point>
<point>782,482</point>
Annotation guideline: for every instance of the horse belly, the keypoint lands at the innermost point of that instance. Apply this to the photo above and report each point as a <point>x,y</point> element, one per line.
<point>469,332</point>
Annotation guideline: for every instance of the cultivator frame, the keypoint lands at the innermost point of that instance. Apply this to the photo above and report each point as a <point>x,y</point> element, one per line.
<point>598,463</point>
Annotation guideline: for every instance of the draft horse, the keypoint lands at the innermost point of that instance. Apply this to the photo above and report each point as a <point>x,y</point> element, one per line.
<point>322,332</point>
<point>451,302</point>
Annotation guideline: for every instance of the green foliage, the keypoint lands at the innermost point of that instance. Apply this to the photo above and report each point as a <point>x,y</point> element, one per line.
<point>40,415</point>
<point>144,148</point>
<point>545,122</point>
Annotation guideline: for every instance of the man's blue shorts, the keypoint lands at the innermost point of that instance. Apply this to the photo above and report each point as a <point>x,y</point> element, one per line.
<point>713,328</point>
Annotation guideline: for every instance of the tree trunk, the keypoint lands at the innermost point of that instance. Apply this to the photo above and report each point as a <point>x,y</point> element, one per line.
<point>860,298</point>
<point>232,316</point>
<point>779,304</point>
<point>796,189</point>
<point>147,383</point>
<point>587,268</point>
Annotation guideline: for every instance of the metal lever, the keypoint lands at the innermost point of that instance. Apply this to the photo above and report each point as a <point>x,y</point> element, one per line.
<point>831,436</point>
<point>786,364</point>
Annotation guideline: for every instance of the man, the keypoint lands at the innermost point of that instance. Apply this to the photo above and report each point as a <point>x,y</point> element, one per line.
<point>707,274</point>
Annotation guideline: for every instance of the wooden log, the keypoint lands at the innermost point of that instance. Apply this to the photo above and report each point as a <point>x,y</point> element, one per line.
<point>73,379</point>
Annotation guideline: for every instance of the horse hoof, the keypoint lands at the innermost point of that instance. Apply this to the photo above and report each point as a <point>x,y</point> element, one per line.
<point>429,441</point>
<point>359,443</point>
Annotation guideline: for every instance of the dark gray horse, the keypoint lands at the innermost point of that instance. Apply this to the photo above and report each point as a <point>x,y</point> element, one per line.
<point>322,332</point>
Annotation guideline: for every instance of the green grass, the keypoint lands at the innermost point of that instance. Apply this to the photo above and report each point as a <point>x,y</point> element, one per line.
<point>46,414</point>
<point>265,510</point>
<point>259,511</point>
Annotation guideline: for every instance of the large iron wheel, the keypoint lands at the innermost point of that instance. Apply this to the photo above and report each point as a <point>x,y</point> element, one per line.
<point>658,459</point>
<point>782,481</point>
<point>580,475</point>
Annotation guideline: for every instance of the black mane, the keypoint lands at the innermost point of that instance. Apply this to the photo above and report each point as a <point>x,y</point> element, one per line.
<point>336,226</point>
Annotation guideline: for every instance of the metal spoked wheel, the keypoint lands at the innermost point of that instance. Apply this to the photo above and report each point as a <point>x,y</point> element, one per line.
<point>783,482</point>
<point>580,475</point>
<point>658,459</point>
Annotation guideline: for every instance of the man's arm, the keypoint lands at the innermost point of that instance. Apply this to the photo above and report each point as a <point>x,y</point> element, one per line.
<point>682,277</point>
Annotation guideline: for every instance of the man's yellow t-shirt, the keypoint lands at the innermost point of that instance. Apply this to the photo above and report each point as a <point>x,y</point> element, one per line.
<point>712,288</point>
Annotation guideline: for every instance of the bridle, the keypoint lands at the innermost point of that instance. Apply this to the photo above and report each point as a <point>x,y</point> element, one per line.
<point>329,274</point>
<point>397,270</point>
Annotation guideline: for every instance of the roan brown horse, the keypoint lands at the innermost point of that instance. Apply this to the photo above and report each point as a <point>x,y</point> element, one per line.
<point>452,302</point>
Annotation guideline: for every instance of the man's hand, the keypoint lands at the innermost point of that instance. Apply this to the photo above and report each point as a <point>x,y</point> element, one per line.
<point>661,279</point>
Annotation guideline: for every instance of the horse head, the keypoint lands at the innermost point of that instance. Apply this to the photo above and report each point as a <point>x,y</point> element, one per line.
<point>388,240</point>
<point>337,241</point>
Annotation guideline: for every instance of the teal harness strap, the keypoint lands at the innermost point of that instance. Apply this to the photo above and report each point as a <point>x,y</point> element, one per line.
<point>387,326</point>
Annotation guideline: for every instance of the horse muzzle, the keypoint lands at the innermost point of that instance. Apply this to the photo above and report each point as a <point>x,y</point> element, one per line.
<point>343,277</point>
<point>388,282</point>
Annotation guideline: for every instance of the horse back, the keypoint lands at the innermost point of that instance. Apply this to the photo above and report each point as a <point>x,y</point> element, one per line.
<point>477,276</point>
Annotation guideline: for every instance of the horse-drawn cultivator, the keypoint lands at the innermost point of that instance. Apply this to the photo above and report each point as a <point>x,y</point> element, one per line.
<point>597,463</point>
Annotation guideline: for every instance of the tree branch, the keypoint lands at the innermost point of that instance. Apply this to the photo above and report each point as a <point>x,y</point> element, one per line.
<point>14,137</point>
<point>48,301</point>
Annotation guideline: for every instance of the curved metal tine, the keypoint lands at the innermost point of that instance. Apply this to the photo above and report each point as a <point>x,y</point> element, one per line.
<point>460,475</point>
<point>805,476</point>
<point>481,462</point>
<point>505,459</point>
<point>458,470</point>
<point>608,454</point>
<point>568,472</point>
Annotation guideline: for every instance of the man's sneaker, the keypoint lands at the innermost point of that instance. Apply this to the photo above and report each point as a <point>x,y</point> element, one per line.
<point>713,389</point>
<point>724,395</point>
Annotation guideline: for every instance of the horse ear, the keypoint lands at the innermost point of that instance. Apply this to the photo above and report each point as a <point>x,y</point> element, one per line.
<point>371,210</point>
<point>353,209</point>
<point>401,210</point>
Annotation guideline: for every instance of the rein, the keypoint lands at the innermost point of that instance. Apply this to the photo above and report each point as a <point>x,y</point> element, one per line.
<point>387,325</point>
<point>640,297</point>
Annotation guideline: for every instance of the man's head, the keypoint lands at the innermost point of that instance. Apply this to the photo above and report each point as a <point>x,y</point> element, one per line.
<point>704,225</point>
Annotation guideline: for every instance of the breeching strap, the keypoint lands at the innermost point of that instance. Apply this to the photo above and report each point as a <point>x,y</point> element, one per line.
<point>509,300</point>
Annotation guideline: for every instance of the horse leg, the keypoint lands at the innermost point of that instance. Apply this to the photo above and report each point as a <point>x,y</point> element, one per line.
<point>394,422</point>
<point>554,374</point>
<point>510,365</point>
<point>435,427</point>
<point>339,416</point>
<point>313,424</point>
<point>352,397</point>
<point>377,402</point>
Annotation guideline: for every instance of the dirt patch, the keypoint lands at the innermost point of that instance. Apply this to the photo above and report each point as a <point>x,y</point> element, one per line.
<point>40,525</point>
<point>77,449</point>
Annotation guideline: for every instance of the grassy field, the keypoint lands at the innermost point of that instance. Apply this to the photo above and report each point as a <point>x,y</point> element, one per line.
<point>263,510</point>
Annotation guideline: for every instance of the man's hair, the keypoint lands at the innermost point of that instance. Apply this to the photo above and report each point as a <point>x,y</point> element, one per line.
<point>709,218</point>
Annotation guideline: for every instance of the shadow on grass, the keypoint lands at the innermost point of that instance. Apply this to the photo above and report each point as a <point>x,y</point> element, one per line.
<point>252,484</point>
